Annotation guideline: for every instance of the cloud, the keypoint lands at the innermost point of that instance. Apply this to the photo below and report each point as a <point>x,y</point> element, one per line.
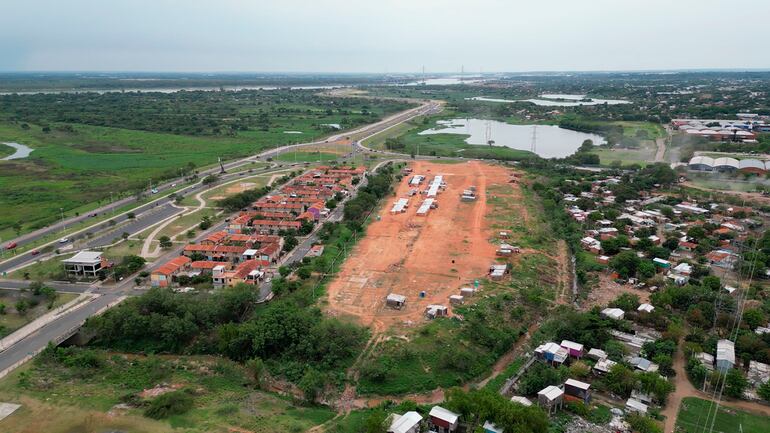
<point>384,35</point>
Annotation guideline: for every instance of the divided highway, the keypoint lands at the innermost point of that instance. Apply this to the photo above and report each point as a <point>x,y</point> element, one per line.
<point>147,216</point>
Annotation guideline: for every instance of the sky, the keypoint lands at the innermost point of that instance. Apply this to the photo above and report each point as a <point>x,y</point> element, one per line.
<point>382,36</point>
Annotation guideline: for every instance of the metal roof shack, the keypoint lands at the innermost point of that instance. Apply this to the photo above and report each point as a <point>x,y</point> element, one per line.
<point>725,358</point>
<point>574,349</point>
<point>634,405</point>
<point>395,301</point>
<point>406,423</point>
<point>490,427</point>
<point>521,400</point>
<point>613,313</point>
<point>444,418</point>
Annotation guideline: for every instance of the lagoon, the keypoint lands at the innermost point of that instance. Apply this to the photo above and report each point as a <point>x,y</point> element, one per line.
<point>550,140</point>
<point>556,100</point>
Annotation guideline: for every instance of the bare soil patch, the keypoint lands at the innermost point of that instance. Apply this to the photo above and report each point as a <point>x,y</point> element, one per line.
<point>406,254</point>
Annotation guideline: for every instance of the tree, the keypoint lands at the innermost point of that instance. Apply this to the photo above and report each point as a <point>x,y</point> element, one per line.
<point>165,242</point>
<point>304,272</point>
<point>625,263</point>
<point>256,367</point>
<point>646,269</point>
<point>376,422</point>
<point>735,383</point>
<point>621,380</point>
<point>208,180</point>
<point>764,391</point>
<point>205,223</point>
<point>21,306</point>
<point>311,384</point>
<point>125,235</point>
<point>626,302</point>
<point>16,228</point>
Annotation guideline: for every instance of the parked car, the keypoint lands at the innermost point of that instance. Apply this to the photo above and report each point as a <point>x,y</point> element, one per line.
<point>154,191</point>
<point>63,240</point>
<point>34,252</point>
<point>11,246</point>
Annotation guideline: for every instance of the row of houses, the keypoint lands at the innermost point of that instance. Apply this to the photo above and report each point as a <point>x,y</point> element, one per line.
<point>252,243</point>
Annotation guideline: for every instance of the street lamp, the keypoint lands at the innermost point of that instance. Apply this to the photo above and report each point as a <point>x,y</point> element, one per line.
<point>64,226</point>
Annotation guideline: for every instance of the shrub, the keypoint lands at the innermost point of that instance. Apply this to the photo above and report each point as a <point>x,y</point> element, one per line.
<point>168,404</point>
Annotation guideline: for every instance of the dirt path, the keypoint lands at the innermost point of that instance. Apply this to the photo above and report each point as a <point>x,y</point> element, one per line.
<point>509,356</point>
<point>685,389</point>
<point>564,276</point>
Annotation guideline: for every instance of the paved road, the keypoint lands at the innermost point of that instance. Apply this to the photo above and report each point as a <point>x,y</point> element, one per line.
<point>53,331</point>
<point>71,319</point>
<point>58,286</point>
<point>136,226</point>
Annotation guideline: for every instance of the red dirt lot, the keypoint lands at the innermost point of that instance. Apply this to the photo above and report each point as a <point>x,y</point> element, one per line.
<point>406,254</point>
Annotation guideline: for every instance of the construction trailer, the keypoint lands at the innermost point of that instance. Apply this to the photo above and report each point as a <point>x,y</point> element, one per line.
<point>435,185</point>
<point>395,301</point>
<point>416,180</point>
<point>426,206</point>
<point>400,206</point>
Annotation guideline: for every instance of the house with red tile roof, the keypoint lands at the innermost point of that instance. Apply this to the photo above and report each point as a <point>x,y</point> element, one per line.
<point>249,272</point>
<point>163,276</point>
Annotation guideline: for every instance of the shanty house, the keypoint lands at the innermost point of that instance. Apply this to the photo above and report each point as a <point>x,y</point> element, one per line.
<point>395,301</point>
<point>550,398</point>
<point>490,427</point>
<point>406,423</point>
<point>575,349</point>
<point>576,388</point>
<point>725,359</point>
<point>443,420</point>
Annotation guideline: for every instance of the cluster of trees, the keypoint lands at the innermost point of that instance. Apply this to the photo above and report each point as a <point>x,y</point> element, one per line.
<point>292,338</point>
<point>379,184</point>
<point>192,112</point>
<point>127,266</point>
<point>478,406</point>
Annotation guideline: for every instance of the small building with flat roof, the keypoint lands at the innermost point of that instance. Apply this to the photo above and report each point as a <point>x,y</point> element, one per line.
<point>84,264</point>
<point>406,423</point>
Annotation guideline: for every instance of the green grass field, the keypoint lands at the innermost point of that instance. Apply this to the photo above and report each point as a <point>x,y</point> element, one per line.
<point>75,166</point>
<point>693,416</point>
<point>6,150</point>
<point>305,157</point>
<point>60,399</point>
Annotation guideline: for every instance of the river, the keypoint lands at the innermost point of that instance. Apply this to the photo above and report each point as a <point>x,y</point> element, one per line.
<point>22,151</point>
<point>550,140</point>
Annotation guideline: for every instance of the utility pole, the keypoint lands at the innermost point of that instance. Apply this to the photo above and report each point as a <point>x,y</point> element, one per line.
<point>113,207</point>
<point>64,226</point>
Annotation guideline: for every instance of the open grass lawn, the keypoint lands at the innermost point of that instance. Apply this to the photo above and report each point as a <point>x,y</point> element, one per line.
<point>122,249</point>
<point>6,150</point>
<point>644,155</point>
<point>693,413</point>
<point>60,399</point>
<point>718,183</point>
<point>307,156</point>
<point>13,320</point>
<point>72,168</point>
<point>43,270</point>
<point>181,224</point>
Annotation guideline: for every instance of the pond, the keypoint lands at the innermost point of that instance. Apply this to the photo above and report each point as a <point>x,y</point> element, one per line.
<point>22,151</point>
<point>550,140</point>
<point>556,100</point>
